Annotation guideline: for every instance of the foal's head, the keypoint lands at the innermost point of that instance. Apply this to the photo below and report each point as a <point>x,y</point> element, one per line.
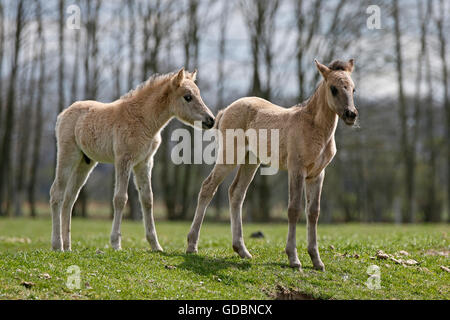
<point>186,103</point>
<point>340,89</point>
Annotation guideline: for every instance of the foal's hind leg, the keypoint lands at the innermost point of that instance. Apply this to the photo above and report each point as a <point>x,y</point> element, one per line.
<point>209,188</point>
<point>237,192</point>
<point>142,179</point>
<point>68,156</point>
<point>77,179</point>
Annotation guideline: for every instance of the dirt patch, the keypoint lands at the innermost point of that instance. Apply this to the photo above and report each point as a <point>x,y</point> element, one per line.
<point>15,240</point>
<point>283,293</point>
<point>443,253</point>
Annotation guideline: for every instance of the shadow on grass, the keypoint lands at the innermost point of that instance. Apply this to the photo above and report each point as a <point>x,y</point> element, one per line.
<point>204,265</point>
<point>287,266</point>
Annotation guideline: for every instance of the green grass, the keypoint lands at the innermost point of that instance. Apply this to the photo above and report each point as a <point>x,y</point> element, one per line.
<point>217,272</point>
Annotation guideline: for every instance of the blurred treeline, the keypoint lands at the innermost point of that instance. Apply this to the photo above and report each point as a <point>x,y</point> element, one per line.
<point>395,167</point>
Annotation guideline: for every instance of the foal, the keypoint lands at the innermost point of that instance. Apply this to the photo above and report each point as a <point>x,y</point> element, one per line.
<point>125,132</point>
<point>306,147</point>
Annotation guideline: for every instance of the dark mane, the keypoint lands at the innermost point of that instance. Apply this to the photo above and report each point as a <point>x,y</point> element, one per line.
<point>339,65</point>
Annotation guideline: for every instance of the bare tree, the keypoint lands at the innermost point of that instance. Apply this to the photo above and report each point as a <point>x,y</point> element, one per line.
<point>169,179</point>
<point>75,68</point>
<point>5,155</point>
<point>179,184</point>
<point>431,209</point>
<point>440,21</point>
<point>24,121</point>
<point>2,48</point>
<point>37,116</point>
<point>307,22</point>
<point>61,102</point>
<point>156,22</point>
<point>260,21</point>
<point>92,72</point>
<point>423,19</point>
<point>405,144</point>
<point>220,84</point>
<point>61,60</point>
<point>133,197</point>
<point>191,45</point>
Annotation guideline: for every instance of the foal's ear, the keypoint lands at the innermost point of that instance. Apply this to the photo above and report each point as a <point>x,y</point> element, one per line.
<point>324,70</point>
<point>179,77</point>
<point>194,75</point>
<point>351,64</point>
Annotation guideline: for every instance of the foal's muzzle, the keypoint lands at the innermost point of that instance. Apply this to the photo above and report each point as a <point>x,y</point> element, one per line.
<point>350,116</point>
<point>208,123</point>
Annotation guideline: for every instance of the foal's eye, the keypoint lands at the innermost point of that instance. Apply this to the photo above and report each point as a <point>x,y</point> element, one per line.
<point>334,90</point>
<point>188,98</point>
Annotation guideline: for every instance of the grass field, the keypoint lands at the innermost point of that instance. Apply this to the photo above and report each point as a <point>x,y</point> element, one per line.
<point>30,270</point>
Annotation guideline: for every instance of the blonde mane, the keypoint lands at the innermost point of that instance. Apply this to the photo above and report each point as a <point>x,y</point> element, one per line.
<point>153,81</point>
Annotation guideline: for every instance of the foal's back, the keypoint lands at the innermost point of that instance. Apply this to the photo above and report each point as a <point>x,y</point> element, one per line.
<point>256,113</point>
<point>253,113</point>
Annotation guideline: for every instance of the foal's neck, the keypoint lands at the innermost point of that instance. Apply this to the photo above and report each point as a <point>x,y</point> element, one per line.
<point>323,117</point>
<point>151,108</point>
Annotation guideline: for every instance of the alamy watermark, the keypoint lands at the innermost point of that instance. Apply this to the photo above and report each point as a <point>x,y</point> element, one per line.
<point>374,281</point>
<point>73,21</point>
<point>233,147</point>
<point>74,277</point>
<point>374,19</point>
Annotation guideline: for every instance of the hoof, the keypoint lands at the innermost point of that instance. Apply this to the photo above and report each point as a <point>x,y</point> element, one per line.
<point>57,246</point>
<point>116,247</point>
<point>191,250</point>
<point>158,249</point>
<point>320,267</point>
<point>116,242</point>
<point>67,246</point>
<point>242,252</point>
<point>295,265</point>
<point>245,255</point>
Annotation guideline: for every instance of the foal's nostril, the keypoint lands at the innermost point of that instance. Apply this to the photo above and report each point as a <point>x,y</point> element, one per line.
<point>209,122</point>
<point>350,114</point>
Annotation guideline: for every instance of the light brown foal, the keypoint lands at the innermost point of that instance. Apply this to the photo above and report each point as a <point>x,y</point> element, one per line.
<point>126,133</point>
<point>306,147</point>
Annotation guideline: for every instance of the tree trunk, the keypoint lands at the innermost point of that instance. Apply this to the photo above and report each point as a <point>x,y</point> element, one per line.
<point>220,89</point>
<point>2,47</point>
<point>409,172</point>
<point>440,21</point>
<point>91,69</point>
<point>37,132</point>
<point>23,144</point>
<point>5,155</point>
<point>191,45</point>
<point>61,101</point>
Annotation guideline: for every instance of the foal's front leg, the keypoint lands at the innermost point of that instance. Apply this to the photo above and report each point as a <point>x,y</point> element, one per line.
<point>296,183</point>
<point>142,175</point>
<point>123,168</point>
<point>313,192</point>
